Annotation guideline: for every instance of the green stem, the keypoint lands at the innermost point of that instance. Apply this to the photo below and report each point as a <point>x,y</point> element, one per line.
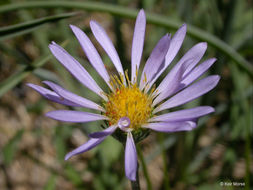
<point>151,18</point>
<point>144,168</point>
<point>165,164</point>
<point>136,184</point>
<point>248,145</point>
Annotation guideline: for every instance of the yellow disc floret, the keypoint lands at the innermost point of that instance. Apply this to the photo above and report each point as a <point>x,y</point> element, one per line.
<point>129,101</point>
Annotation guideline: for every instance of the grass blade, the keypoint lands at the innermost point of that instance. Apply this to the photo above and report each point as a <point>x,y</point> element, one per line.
<point>29,26</point>
<point>16,78</point>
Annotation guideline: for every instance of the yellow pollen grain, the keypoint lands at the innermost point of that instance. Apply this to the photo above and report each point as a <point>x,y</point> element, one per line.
<point>128,101</point>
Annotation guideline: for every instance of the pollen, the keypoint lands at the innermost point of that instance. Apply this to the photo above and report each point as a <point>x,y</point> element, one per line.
<point>128,101</point>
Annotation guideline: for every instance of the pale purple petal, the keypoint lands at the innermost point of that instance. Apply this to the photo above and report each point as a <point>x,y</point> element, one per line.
<point>198,71</point>
<point>138,42</point>
<point>183,115</point>
<point>155,60</point>
<point>75,68</point>
<point>65,94</point>
<point>106,43</point>
<point>193,56</point>
<point>175,45</point>
<point>91,53</point>
<point>104,133</point>
<point>74,116</point>
<point>85,147</point>
<point>172,85</point>
<point>190,93</point>
<point>188,61</point>
<point>130,158</point>
<point>50,95</point>
<point>168,127</point>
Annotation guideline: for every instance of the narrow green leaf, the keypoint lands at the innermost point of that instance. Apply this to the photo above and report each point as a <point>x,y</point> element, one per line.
<point>11,147</point>
<point>29,26</point>
<point>45,74</point>
<point>151,18</point>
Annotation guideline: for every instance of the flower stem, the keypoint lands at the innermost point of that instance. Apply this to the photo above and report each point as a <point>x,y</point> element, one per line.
<point>136,184</point>
<point>144,168</point>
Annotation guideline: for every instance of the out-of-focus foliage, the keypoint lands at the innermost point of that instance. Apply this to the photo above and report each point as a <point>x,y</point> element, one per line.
<point>33,146</point>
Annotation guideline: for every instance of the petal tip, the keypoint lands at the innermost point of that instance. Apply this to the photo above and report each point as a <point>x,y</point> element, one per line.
<point>211,109</point>
<point>204,44</point>
<point>93,23</point>
<point>67,157</point>
<point>46,82</point>
<point>74,28</point>
<point>29,85</point>
<point>142,12</point>
<point>183,27</point>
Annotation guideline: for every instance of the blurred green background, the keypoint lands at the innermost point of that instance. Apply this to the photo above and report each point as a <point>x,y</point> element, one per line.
<point>32,147</point>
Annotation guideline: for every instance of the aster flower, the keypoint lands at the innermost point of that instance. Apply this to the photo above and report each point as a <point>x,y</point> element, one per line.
<point>133,107</point>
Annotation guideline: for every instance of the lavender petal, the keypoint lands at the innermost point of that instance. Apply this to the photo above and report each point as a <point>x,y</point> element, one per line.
<point>172,85</point>
<point>198,71</point>
<point>183,115</point>
<point>175,45</point>
<point>106,43</point>
<point>193,56</point>
<point>190,93</point>
<point>75,68</point>
<point>74,116</point>
<point>65,94</point>
<point>155,60</point>
<point>85,147</point>
<point>138,42</point>
<point>130,158</point>
<point>188,61</point>
<point>50,95</point>
<point>91,53</point>
<point>104,133</point>
<point>168,127</point>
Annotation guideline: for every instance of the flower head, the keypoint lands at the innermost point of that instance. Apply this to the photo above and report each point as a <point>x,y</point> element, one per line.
<point>133,107</point>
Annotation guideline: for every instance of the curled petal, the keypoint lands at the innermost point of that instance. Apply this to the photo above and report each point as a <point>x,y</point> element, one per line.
<point>186,63</point>
<point>74,116</point>
<point>183,115</point>
<point>155,60</point>
<point>138,41</point>
<point>50,95</point>
<point>192,92</point>
<point>175,45</point>
<point>85,147</point>
<point>103,133</point>
<point>83,102</point>
<point>171,126</point>
<point>130,158</point>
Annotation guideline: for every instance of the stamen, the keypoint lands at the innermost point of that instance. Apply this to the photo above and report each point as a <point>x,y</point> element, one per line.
<point>128,101</point>
<point>145,78</point>
<point>128,81</point>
